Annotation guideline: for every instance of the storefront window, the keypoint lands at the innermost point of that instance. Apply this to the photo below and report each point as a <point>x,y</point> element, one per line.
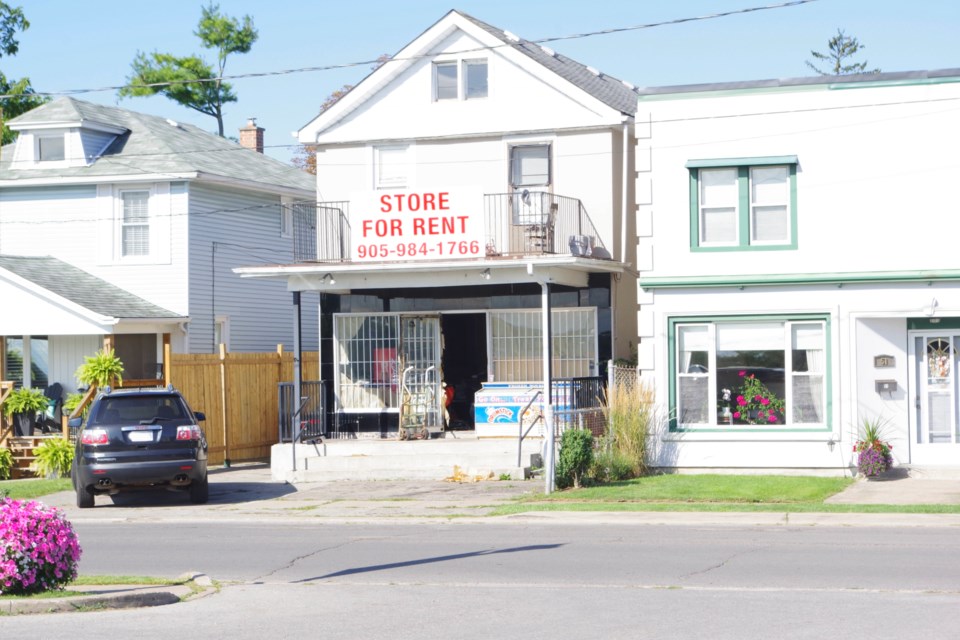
<point>750,374</point>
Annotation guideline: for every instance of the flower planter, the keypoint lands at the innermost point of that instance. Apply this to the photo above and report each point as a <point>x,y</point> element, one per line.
<point>24,424</point>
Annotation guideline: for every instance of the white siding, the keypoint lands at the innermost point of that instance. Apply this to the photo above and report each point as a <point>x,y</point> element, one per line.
<point>66,354</point>
<point>231,229</point>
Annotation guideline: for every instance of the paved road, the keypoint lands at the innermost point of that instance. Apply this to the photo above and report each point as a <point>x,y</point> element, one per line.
<point>525,578</point>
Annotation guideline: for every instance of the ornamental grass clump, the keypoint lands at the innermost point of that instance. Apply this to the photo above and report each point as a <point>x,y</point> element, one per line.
<point>39,550</point>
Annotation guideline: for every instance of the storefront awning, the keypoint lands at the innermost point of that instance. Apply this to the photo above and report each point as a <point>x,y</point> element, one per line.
<point>562,270</point>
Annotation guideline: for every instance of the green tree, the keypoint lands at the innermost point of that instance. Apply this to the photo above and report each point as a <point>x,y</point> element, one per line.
<point>842,47</point>
<point>20,97</point>
<point>190,80</point>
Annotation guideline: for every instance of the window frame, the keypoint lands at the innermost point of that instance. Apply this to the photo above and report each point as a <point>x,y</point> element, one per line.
<point>401,182</point>
<point>461,79</point>
<point>121,224</point>
<point>744,204</point>
<point>514,149</point>
<point>713,425</point>
<point>39,140</point>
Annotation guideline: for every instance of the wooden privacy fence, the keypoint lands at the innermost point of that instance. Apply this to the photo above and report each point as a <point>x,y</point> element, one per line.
<point>238,394</point>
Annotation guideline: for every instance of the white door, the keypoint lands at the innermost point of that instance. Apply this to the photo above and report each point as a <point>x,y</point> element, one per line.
<point>936,420</point>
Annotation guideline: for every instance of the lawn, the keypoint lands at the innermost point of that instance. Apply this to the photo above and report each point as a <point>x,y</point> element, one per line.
<point>28,489</point>
<point>714,493</point>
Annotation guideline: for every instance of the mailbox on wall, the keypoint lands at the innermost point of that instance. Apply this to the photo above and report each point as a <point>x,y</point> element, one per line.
<point>886,386</point>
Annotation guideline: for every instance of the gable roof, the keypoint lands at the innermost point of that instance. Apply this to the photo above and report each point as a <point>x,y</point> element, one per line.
<point>83,289</point>
<point>153,145</point>
<point>617,95</point>
<point>614,93</point>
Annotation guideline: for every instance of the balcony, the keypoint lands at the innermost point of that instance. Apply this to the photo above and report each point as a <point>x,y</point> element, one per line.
<point>520,224</point>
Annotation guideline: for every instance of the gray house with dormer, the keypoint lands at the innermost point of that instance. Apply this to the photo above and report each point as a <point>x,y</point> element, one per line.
<point>122,228</point>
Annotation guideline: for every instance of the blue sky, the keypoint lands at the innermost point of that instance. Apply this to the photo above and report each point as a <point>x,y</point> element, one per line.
<point>90,44</point>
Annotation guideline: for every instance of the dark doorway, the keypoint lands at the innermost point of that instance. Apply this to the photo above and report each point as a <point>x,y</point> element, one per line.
<point>464,363</point>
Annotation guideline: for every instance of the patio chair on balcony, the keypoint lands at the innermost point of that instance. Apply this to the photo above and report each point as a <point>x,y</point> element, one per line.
<point>539,237</point>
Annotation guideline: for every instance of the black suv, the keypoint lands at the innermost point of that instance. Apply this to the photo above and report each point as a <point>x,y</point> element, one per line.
<point>139,438</point>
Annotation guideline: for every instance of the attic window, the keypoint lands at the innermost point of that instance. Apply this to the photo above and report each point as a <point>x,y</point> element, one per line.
<point>50,148</point>
<point>460,80</point>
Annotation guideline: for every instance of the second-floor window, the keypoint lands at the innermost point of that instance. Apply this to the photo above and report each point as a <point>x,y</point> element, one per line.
<point>743,203</point>
<point>391,166</point>
<point>530,165</point>
<point>460,79</point>
<point>135,224</point>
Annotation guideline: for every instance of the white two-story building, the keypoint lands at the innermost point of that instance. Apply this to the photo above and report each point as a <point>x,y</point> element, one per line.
<point>469,187</point>
<point>798,269</point>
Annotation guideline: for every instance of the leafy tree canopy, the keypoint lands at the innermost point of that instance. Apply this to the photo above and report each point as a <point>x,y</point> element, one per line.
<point>21,96</point>
<point>189,80</point>
<point>11,21</point>
<point>841,48</point>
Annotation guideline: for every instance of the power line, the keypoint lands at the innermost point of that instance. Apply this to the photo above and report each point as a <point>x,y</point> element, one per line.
<point>377,61</point>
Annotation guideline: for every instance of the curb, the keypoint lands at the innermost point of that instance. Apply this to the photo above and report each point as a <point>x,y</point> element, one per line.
<point>105,597</point>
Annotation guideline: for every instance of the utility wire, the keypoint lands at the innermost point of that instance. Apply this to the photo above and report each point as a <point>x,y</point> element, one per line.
<point>346,65</point>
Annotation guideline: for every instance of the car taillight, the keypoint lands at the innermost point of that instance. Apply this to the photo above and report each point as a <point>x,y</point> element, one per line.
<point>188,432</point>
<point>94,437</point>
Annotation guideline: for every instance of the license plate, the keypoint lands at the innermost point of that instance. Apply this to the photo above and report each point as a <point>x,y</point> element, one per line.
<point>141,436</point>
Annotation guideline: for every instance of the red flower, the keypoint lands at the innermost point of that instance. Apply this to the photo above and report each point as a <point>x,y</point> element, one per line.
<point>742,373</point>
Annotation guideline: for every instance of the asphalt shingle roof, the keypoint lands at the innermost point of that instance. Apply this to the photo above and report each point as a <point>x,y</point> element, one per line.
<point>82,288</point>
<point>155,145</point>
<point>609,90</point>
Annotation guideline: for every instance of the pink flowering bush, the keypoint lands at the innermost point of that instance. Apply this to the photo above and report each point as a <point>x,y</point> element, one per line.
<point>39,550</point>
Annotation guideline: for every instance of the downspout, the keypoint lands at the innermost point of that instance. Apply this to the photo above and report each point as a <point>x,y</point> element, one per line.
<point>623,190</point>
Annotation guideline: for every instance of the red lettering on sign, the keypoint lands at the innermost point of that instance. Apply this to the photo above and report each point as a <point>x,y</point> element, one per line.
<point>383,228</point>
<point>436,226</point>
<point>429,201</point>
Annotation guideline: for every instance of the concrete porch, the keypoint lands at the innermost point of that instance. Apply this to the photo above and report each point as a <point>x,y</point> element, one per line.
<point>381,459</point>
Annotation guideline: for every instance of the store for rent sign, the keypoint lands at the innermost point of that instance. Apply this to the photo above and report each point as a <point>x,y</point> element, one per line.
<point>436,224</point>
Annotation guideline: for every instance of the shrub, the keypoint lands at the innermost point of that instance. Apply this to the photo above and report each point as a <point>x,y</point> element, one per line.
<point>609,465</point>
<point>576,456</point>
<point>53,458</point>
<point>102,369</point>
<point>39,550</point>
<point>6,463</point>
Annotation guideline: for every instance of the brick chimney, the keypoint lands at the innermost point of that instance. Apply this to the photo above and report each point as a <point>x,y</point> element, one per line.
<point>251,136</point>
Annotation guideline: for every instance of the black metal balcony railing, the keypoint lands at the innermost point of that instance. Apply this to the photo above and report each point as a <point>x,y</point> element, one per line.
<point>523,223</point>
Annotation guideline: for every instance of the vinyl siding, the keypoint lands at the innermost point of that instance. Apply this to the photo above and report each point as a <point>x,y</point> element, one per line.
<point>94,142</point>
<point>66,354</point>
<point>230,229</point>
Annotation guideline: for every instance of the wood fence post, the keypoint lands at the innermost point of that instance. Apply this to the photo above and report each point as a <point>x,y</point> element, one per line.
<point>166,360</point>
<point>223,403</point>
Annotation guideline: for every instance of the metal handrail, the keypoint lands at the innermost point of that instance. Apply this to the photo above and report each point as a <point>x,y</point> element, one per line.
<point>523,434</point>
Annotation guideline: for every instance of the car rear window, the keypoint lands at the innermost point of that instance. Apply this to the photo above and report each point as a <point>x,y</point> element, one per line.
<point>137,409</point>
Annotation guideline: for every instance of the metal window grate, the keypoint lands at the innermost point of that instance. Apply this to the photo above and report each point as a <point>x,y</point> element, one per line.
<point>517,344</point>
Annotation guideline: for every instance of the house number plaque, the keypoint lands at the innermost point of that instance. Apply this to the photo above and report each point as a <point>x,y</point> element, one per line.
<point>884,362</point>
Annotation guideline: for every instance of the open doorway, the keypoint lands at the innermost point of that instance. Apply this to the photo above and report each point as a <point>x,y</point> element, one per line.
<point>464,363</point>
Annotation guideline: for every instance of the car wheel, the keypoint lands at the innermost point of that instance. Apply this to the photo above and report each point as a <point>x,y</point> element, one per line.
<point>199,491</point>
<point>84,498</point>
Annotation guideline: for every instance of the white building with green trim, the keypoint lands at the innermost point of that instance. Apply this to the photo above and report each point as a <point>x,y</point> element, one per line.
<point>798,269</point>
